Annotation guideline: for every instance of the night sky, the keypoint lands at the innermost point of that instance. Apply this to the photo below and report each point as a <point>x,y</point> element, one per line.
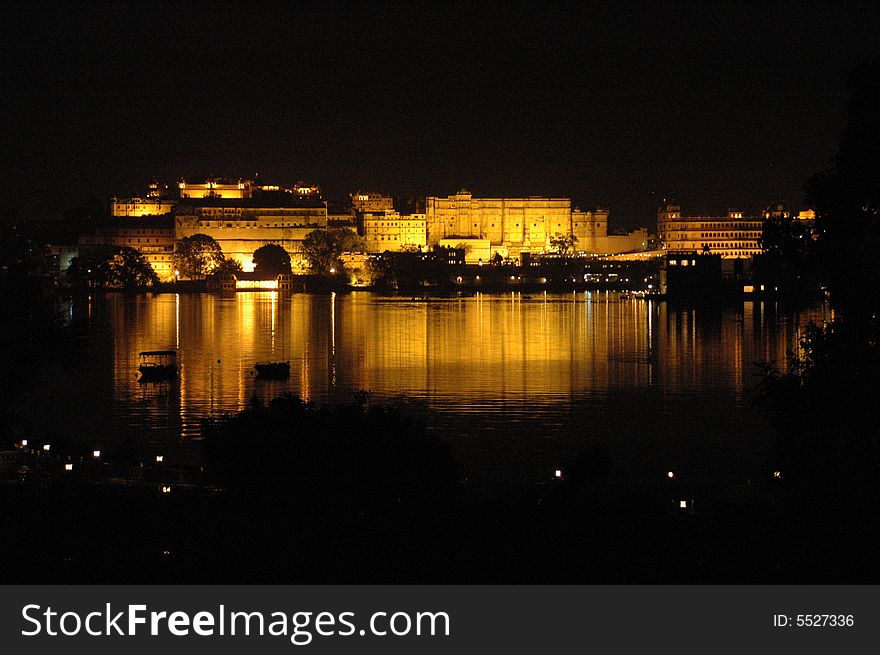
<point>617,107</point>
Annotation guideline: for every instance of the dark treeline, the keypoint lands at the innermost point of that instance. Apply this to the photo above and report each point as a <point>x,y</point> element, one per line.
<point>826,405</point>
<point>363,493</point>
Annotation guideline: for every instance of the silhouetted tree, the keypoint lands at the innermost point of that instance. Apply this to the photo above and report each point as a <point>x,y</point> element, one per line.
<point>788,257</point>
<point>563,244</point>
<point>111,266</point>
<point>227,267</point>
<point>826,405</point>
<point>271,259</point>
<point>846,198</point>
<point>197,256</point>
<point>358,456</point>
<point>21,251</point>
<point>323,248</point>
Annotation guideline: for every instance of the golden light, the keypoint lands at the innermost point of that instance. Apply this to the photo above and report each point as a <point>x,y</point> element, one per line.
<point>777,474</point>
<point>166,489</point>
<point>46,447</point>
<point>332,270</point>
<point>269,285</point>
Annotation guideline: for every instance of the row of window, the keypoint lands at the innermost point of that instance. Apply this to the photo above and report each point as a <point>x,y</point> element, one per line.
<point>721,246</point>
<point>221,224</point>
<point>737,235</point>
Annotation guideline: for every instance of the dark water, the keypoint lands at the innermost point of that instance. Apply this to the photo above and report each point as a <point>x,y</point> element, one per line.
<point>517,384</point>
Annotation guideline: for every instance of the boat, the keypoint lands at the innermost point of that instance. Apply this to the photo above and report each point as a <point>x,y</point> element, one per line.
<point>272,370</point>
<point>157,365</point>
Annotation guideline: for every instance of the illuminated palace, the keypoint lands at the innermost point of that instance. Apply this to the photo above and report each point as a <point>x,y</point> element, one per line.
<point>243,215</point>
<point>731,236</point>
<point>242,225</point>
<point>512,226</point>
<point>153,238</point>
<point>154,204</point>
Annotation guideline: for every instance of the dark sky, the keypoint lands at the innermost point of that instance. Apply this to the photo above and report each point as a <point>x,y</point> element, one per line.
<point>714,105</point>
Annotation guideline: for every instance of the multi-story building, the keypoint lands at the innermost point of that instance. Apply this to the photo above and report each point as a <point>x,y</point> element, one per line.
<point>388,230</point>
<point>154,204</point>
<point>369,202</point>
<point>240,226</point>
<point>136,207</point>
<point>153,238</point>
<point>216,188</point>
<point>512,224</point>
<point>732,236</point>
<point>241,189</point>
<point>515,225</point>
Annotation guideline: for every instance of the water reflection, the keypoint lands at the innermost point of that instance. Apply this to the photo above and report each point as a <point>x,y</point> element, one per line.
<point>503,368</point>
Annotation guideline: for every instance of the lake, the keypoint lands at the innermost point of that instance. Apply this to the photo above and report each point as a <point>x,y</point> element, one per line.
<point>517,384</point>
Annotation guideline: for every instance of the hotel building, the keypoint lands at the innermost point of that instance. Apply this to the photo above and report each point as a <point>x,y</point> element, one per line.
<point>732,236</point>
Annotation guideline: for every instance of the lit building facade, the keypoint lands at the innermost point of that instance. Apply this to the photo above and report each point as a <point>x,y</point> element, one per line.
<point>153,238</point>
<point>154,204</point>
<point>732,236</point>
<point>369,202</point>
<point>216,189</point>
<point>388,230</point>
<point>515,225</point>
<point>240,227</point>
<point>137,207</point>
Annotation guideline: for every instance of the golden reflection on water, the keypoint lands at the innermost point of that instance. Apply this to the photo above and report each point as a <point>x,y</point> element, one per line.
<point>466,354</point>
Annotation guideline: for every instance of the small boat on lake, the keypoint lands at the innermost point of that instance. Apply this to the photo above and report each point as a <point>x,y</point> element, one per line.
<point>272,370</point>
<point>156,365</point>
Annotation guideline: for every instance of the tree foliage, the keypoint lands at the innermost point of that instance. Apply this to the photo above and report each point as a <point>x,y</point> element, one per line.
<point>846,198</point>
<point>228,266</point>
<point>788,255</point>
<point>111,266</point>
<point>563,244</point>
<point>271,259</point>
<point>355,456</point>
<point>21,251</point>
<point>826,405</point>
<point>197,256</point>
<point>323,248</point>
